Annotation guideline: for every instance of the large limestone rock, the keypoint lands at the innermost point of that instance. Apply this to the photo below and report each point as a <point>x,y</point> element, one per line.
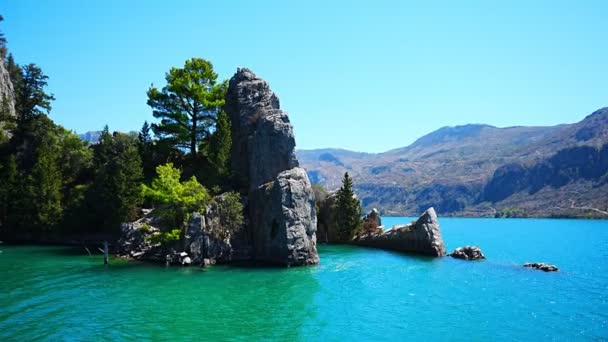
<point>7,93</point>
<point>421,237</point>
<point>263,143</point>
<point>283,218</point>
<point>281,215</point>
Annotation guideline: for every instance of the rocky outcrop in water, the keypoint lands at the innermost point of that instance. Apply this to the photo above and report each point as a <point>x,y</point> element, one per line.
<point>281,211</point>
<point>421,237</point>
<point>373,216</point>
<point>468,253</point>
<point>200,244</point>
<point>283,220</point>
<point>542,266</point>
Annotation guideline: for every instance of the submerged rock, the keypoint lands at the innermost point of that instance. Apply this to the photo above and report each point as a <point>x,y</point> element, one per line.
<point>542,266</point>
<point>467,253</point>
<point>421,237</point>
<point>282,217</point>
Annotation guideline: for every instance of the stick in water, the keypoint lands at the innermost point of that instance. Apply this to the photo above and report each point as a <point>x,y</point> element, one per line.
<point>105,252</point>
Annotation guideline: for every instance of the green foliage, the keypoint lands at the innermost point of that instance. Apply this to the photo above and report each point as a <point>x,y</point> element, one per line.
<point>348,210</point>
<point>3,49</point>
<point>175,199</point>
<point>510,213</point>
<point>116,193</point>
<point>31,99</point>
<point>166,238</point>
<point>230,213</point>
<point>220,146</point>
<point>188,105</point>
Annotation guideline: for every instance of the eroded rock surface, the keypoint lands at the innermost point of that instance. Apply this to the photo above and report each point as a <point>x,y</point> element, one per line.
<point>468,253</point>
<point>263,143</point>
<point>281,212</point>
<point>283,220</point>
<point>420,237</point>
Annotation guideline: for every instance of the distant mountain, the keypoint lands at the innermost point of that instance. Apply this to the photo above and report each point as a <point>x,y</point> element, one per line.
<point>481,170</point>
<point>91,137</point>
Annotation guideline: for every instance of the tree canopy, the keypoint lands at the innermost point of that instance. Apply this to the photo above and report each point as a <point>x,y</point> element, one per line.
<point>348,210</point>
<point>188,105</point>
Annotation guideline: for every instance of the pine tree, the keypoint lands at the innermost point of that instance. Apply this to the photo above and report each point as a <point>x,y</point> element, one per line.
<point>219,147</point>
<point>31,99</point>
<point>188,105</point>
<point>115,194</point>
<point>3,49</point>
<point>348,210</point>
<point>146,152</point>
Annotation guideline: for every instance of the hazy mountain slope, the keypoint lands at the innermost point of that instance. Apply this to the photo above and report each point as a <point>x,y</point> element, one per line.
<point>454,169</point>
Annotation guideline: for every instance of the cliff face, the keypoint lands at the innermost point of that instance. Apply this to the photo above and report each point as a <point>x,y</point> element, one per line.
<point>421,237</point>
<point>282,219</point>
<point>7,92</point>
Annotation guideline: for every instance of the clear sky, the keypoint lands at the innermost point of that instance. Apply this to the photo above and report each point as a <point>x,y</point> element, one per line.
<point>362,75</point>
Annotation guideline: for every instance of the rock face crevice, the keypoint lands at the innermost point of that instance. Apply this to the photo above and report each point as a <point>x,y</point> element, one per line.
<point>420,237</point>
<point>281,215</point>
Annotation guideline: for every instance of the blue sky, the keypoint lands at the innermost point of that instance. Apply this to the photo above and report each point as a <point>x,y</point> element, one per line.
<point>361,75</point>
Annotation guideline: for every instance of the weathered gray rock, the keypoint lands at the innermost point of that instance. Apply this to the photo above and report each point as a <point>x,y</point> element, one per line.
<point>468,253</point>
<point>284,222</point>
<point>373,216</point>
<point>281,216</point>
<point>7,93</point>
<point>200,241</point>
<point>421,237</point>
<point>263,143</point>
<point>542,266</point>
<point>327,230</point>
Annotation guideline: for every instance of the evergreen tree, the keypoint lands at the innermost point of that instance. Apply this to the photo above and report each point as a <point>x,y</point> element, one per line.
<point>219,147</point>
<point>8,189</point>
<point>14,72</point>
<point>44,186</point>
<point>116,193</point>
<point>188,105</point>
<point>146,151</point>
<point>348,210</point>
<point>31,99</point>
<point>3,49</point>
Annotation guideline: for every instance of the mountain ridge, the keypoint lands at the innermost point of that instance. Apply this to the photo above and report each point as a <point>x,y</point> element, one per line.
<point>450,168</point>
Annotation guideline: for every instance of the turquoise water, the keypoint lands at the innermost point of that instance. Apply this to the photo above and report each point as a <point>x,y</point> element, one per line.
<point>54,293</point>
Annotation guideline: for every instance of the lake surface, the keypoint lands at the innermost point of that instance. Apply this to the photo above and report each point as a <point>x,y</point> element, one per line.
<point>54,293</point>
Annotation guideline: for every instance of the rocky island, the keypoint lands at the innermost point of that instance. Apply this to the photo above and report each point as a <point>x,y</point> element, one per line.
<point>280,215</point>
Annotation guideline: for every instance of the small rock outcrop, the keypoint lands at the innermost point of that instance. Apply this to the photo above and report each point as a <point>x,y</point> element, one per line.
<point>373,216</point>
<point>282,217</point>
<point>421,237</point>
<point>542,266</point>
<point>467,253</point>
<point>200,245</point>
